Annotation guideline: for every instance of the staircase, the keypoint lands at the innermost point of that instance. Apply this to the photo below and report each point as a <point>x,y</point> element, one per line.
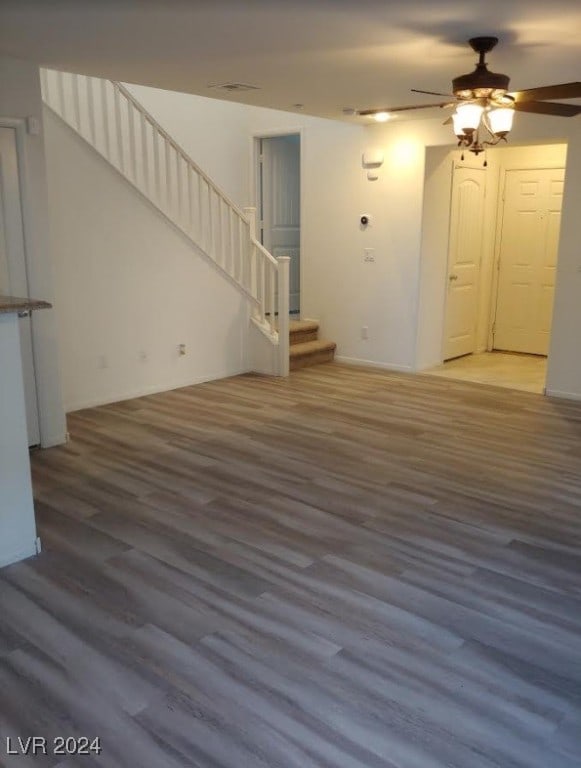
<point>109,118</point>
<point>305,346</point>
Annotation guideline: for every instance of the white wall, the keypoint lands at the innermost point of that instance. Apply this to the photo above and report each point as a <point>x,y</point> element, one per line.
<point>130,288</point>
<point>19,99</point>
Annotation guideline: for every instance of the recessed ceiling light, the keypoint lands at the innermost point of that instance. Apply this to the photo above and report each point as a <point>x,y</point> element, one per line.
<point>381,117</point>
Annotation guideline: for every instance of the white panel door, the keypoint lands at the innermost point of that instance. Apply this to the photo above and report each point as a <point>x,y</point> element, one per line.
<point>465,247</point>
<point>13,279</point>
<point>280,199</point>
<point>529,243</point>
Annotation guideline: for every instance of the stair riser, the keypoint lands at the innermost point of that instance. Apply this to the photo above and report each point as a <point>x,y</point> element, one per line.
<point>305,361</point>
<point>297,337</point>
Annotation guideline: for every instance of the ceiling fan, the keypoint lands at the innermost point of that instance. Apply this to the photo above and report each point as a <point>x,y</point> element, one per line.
<point>483,101</point>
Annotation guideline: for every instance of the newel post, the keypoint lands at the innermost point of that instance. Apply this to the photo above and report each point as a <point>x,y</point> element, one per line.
<point>283,314</point>
<point>250,214</point>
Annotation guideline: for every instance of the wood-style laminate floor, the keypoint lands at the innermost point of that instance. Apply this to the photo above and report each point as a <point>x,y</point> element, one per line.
<point>349,568</point>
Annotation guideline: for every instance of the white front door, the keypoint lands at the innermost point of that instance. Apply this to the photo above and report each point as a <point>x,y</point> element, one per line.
<point>465,247</point>
<point>280,202</point>
<point>529,243</point>
<point>13,279</point>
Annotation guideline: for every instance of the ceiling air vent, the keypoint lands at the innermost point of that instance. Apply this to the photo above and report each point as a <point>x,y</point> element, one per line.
<point>234,87</point>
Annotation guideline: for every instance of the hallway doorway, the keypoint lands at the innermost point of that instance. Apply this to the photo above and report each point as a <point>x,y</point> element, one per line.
<point>491,235</point>
<point>278,197</point>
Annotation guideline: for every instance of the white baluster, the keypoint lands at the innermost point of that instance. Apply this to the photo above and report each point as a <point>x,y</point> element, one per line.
<point>132,147</point>
<point>105,114</point>
<point>262,288</point>
<point>61,93</point>
<point>76,103</point>
<point>179,216</point>
<point>232,217</point>
<point>91,111</point>
<point>145,156</point>
<point>272,294</point>
<point>210,248</point>
<point>157,167</point>
<point>44,86</point>
<point>239,252</point>
<point>283,314</point>
<point>201,223</point>
<point>119,130</point>
<point>190,201</point>
<point>168,194</point>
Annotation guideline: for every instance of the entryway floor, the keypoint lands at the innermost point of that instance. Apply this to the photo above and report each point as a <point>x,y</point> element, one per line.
<point>503,369</point>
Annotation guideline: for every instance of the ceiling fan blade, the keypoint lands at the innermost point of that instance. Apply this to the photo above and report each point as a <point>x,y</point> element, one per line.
<point>433,93</point>
<point>548,108</point>
<point>562,91</point>
<point>366,112</point>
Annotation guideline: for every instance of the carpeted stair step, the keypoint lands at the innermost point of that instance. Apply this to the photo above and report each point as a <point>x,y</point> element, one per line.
<point>302,330</point>
<point>311,353</point>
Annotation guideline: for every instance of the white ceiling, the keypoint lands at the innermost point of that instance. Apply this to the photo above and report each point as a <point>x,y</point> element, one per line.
<point>325,54</point>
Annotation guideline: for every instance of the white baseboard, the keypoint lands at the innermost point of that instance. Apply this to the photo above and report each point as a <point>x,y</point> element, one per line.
<point>374,364</point>
<point>153,389</point>
<point>563,395</point>
<point>22,554</point>
<point>52,440</point>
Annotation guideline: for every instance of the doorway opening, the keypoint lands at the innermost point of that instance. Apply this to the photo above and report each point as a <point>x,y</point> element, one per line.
<point>13,272</point>
<point>501,257</point>
<point>278,204</point>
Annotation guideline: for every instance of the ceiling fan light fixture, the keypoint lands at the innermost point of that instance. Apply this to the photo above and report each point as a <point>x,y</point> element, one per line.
<point>467,118</point>
<point>381,117</point>
<point>500,120</point>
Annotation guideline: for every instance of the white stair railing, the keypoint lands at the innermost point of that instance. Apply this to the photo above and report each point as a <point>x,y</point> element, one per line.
<point>107,116</point>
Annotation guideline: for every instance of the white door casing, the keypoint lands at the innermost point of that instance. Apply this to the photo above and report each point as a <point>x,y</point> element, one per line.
<point>279,204</point>
<point>13,276</point>
<point>527,259</point>
<point>464,259</point>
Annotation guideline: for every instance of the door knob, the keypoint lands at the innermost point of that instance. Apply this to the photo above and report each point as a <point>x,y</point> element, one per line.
<point>452,277</point>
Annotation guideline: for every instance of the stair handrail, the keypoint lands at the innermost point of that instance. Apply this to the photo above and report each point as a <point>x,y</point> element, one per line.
<point>231,246</point>
<point>188,158</point>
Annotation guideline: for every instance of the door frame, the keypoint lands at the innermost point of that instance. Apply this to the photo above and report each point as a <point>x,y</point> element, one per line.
<point>19,126</point>
<point>504,169</point>
<point>254,183</point>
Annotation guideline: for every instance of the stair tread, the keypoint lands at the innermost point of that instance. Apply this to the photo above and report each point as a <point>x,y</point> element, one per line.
<point>302,326</point>
<point>311,347</point>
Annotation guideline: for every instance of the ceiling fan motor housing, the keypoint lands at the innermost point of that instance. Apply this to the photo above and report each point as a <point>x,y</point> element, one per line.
<point>481,83</point>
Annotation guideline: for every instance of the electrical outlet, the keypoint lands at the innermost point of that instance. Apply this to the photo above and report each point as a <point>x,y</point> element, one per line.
<point>181,349</point>
<point>142,356</point>
<point>365,332</point>
<point>369,254</point>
